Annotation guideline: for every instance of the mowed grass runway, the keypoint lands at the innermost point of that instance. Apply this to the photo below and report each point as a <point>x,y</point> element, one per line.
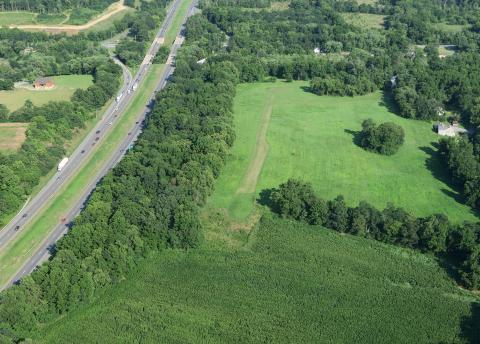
<point>291,283</point>
<point>311,138</point>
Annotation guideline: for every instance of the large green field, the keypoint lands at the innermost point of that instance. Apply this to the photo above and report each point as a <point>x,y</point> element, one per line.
<point>65,86</point>
<point>311,138</point>
<point>290,283</point>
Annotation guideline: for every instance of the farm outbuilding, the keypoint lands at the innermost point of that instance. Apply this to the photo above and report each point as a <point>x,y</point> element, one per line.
<point>43,83</point>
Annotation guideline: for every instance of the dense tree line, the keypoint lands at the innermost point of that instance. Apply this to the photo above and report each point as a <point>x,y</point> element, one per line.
<point>149,201</point>
<point>53,6</point>
<point>385,138</point>
<point>393,225</point>
<point>141,26</point>
<point>462,158</point>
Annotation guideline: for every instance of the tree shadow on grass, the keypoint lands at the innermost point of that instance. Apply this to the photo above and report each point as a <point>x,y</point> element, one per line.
<point>389,103</point>
<point>439,171</point>
<point>265,199</point>
<point>470,325</point>
<point>307,89</point>
<point>437,167</point>
<point>356,136</point>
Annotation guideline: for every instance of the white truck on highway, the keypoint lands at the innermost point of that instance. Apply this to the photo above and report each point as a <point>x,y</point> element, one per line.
<point>62,164</point>
<point>135,86</point>
<point>119,97</point>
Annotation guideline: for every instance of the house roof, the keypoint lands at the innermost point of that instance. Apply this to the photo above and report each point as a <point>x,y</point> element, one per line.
<point>43,80</point>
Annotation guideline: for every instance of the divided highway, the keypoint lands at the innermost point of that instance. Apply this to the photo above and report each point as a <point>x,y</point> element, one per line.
<point>80,155</point>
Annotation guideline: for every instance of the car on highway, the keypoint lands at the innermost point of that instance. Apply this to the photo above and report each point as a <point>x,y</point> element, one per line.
<point>97,138</point>
<point>83,151</point>
<point>24,215</point>
<point>17,228</point>
<point>109,123</point>
<point>98,132</point>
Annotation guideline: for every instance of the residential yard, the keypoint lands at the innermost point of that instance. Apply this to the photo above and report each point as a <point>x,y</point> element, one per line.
<point>12,135</point>
<point>311,138</point>
<point>65,85</point>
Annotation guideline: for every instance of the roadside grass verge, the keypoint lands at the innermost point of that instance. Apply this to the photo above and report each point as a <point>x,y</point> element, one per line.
<point>312,138</point>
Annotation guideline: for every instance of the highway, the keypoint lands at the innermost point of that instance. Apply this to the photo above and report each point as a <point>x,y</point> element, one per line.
<point>84,150</point>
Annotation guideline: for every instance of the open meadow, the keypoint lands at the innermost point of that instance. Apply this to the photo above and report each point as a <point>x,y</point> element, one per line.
<point>291,283</point>
<point>65,85</point>
<point>283,131</point>
<point>12,135</point>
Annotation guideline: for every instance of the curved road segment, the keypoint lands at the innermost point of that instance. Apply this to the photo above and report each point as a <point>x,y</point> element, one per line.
<point>84,150</point>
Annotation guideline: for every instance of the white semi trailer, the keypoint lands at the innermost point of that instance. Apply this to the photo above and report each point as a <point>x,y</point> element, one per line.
<point>62,164</point>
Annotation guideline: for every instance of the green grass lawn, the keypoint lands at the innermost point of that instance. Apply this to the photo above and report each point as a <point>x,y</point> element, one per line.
<point>17,18</point>
<point>450,27</point>
<point>65,86</point>
<point>24,18</point>
<point>311,138</point>
<point>365,20</point>
<point>291,283</point>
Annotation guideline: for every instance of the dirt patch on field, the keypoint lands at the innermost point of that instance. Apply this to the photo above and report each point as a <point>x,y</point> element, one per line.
<point>75,29</point>
<point>12,136</point>
<point>250,179</point>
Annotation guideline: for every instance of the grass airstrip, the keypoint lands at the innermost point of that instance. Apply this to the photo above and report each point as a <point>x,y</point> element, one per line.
<point>65,85</point>
<point>284,131</point>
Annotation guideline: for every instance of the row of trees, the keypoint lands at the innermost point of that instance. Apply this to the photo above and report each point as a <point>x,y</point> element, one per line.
<point>149,201</point>
<point>435,234</point>
<point>462,159</point>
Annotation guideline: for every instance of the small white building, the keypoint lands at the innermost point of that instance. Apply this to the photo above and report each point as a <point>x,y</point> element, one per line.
<point>446,129</point>
<point>317,51</point>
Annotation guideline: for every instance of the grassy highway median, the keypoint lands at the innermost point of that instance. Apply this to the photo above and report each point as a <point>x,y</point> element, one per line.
<point>15,254</point>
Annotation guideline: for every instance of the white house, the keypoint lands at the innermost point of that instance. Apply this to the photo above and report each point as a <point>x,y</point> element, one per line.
<point>445,129</point>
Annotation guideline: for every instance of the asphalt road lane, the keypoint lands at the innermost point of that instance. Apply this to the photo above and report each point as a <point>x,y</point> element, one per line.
<point>43,252</point>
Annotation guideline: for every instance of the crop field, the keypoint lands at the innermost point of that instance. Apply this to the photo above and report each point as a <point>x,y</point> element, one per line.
<point>12,135</point>
<point>65,85</point>
<point>290,284</point>
<point>365,20</point>
<point>312,138</point>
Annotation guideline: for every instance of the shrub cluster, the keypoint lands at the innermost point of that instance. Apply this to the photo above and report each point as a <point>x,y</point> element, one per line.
<point>385,138</point>
<point>460,243</point>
